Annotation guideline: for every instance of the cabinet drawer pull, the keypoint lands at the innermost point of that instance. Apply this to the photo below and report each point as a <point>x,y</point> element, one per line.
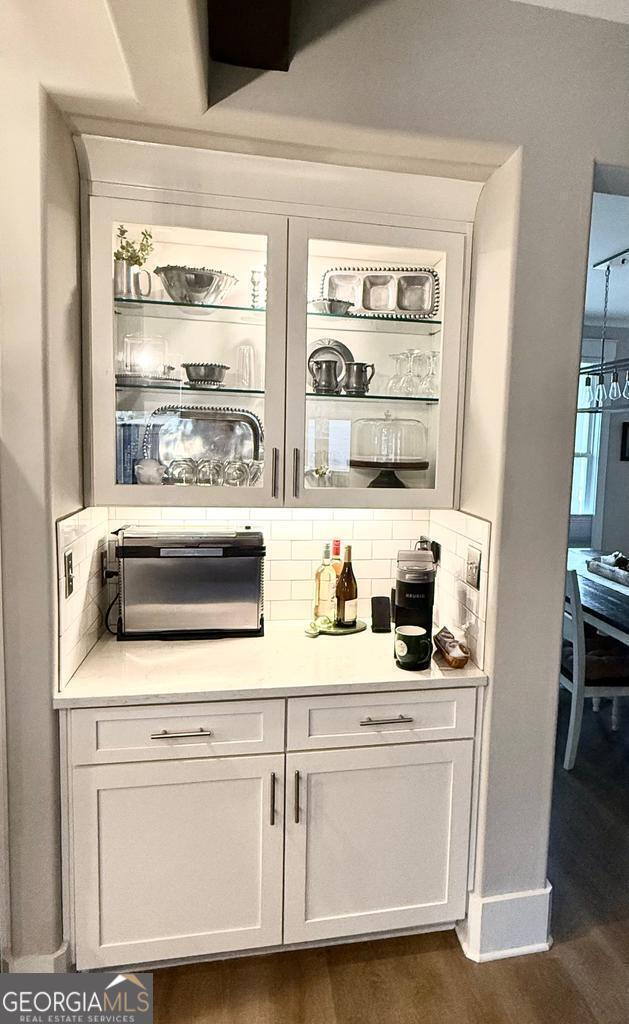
<point>272,815</point>
<point>165,735</point>
<point>297,798</point>
<point>387,721</point>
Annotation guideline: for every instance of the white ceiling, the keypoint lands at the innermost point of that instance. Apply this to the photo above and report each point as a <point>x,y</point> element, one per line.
<point>609,10</point>
<point>609,234</point>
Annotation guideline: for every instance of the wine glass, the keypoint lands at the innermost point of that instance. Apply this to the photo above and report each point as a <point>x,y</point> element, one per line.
<point>394,386</point>
<point>431,381</point>
<point>412,381</point>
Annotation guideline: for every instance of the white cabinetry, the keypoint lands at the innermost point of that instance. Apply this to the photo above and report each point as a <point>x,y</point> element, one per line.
<point>177,859</point>
<point>394,444</point>
<point>376,840</point>
<point>195,830</point>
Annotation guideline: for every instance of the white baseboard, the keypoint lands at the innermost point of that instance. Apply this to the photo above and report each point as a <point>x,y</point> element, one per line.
<point>512,924</point>
<point>41,963</point>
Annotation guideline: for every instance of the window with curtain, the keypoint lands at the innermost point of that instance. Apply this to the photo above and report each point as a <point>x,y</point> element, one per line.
<point>587,443</point>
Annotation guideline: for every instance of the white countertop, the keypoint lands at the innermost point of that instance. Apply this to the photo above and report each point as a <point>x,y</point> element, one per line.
<point>283,663</point>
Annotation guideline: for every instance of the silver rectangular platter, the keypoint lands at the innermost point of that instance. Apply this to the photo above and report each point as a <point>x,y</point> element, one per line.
<point>202,432</point>
<point>402,292</point>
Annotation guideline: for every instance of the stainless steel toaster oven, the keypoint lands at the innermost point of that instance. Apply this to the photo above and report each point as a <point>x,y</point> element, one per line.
<point>189,584</point>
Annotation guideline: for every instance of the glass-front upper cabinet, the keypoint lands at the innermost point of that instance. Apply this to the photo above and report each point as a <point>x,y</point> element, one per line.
<point>375,352</point>
<point>187,375</point>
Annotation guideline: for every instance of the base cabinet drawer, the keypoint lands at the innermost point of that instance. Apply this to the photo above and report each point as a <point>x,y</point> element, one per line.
<point>360,720</point>
<point>156,733</point>
<point>376,840</point>
<point>178,859</point>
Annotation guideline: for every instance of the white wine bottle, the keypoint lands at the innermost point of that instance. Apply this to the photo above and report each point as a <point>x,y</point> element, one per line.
<point>347,593</point>
<point>337,563</point>
<point>325,588</point>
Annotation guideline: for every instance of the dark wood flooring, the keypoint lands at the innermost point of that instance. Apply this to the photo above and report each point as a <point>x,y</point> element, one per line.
<point>426,979</point>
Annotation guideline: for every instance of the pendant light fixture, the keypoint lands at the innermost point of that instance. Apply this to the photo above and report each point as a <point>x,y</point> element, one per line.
<point>600,392</point>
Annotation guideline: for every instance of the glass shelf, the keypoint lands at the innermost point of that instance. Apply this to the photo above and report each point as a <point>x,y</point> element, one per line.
<point>185,388</point>
<point>371,398</point>
<point>387,325</point>
<point>166,310</point>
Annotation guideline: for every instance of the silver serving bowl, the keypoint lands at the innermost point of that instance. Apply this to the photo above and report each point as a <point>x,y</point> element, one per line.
<point>337,307</point>
<point>205,373</point>
<point>195,285</point>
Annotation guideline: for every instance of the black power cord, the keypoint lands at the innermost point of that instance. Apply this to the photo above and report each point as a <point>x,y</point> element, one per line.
<point>111,574</point>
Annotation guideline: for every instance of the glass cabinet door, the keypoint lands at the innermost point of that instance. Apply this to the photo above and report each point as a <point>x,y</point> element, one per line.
<point>187,354</point>
<point>374,327</point>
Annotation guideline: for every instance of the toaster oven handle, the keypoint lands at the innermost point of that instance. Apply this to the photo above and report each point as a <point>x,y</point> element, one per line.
<point>166,735</point>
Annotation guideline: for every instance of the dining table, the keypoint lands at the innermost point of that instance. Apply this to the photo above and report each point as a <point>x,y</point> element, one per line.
<point>605,603</point>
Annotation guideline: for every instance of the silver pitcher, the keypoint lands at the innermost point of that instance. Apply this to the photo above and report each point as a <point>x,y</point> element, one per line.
<point>128,281</point>
<point>327,376</point>
<point>358,377</point>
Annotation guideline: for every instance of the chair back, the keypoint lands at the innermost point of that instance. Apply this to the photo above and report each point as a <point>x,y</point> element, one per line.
<point>574,628</point>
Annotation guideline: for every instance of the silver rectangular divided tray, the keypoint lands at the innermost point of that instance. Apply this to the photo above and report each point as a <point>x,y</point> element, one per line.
<point>201,432</point>
<point>409,292</point>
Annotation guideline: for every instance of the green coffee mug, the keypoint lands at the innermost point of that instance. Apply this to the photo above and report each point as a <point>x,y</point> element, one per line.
<point>413,647</point>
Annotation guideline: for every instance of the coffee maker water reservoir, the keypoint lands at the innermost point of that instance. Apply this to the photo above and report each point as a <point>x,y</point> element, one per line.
<point>414,593</point>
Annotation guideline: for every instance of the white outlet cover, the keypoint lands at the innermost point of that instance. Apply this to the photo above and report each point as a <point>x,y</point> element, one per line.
<point>472,567</point>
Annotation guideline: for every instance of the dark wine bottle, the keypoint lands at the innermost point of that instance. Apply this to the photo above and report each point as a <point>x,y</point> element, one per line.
<point>347,593</point>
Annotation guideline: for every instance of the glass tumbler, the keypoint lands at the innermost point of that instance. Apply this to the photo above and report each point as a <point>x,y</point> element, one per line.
<point>236,473</point>
<point>210,472</point>
<point>181,471</point>
<point>246,366</point>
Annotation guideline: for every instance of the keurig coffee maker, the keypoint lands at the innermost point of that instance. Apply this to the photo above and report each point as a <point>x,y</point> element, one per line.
<point>414,592</point>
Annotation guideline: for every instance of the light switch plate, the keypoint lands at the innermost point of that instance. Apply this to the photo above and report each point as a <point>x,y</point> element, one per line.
<point>68,567</point>
<point>472,567</point>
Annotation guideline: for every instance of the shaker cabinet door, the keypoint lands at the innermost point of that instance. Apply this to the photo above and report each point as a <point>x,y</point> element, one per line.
<point>177,859</point>
<point>374,364</point>
<point>186,361</point>
<point>376,839</point>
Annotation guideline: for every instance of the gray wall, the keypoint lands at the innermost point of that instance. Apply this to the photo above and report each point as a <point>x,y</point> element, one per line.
<point>615,505</point>
<point>427,76</point>
<point>39,479</point>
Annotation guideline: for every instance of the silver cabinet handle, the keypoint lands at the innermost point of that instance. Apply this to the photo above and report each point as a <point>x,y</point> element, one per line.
<point>296,454</point>
<point>387,721</point>
<point>275,465</point>
<point>272,815</point>
<point>297,798</point>
<point>165,735</point>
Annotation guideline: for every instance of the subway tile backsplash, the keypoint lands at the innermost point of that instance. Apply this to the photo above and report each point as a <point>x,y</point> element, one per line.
<point>294,540</point>
<point>81,614</point>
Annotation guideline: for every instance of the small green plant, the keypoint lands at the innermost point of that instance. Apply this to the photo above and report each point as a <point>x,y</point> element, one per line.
<point>134,252</point>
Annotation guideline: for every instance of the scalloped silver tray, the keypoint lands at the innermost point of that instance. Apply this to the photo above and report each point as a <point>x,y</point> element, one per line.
<point>408,292</point>
<point>202,432</point>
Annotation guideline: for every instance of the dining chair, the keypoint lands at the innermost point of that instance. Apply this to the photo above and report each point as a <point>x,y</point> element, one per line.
<point>592,665</point>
